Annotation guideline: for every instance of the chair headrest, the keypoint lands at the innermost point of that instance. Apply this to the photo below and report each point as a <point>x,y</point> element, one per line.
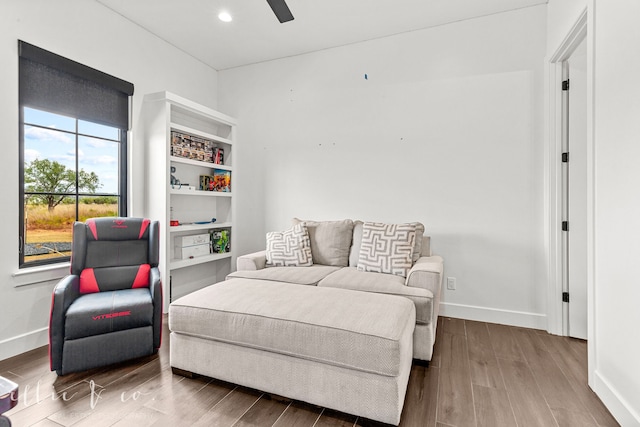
<point>110,228</point>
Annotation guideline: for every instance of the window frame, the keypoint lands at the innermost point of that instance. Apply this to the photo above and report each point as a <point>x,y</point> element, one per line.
<point>74,70</point>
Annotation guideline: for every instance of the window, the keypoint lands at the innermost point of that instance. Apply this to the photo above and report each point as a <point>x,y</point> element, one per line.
<point>73,147</point>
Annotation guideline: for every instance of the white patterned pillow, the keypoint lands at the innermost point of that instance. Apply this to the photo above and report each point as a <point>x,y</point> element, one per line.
<point>291,248</point>
<point>387,248</point>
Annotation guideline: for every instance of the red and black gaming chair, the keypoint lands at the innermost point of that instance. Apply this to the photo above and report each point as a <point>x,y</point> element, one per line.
<point>109,309</point>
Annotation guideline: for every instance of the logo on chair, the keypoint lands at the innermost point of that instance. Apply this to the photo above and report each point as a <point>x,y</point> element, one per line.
<point>112,315</point>
<point>119,223</point>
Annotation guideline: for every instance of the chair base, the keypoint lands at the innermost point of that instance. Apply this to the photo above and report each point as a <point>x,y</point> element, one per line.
<point>106,349</point>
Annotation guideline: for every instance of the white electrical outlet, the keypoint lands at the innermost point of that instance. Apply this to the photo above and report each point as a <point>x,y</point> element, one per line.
<point>451,283</point>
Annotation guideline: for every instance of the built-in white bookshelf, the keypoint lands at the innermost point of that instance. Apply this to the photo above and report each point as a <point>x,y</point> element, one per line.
<point>187,202</point>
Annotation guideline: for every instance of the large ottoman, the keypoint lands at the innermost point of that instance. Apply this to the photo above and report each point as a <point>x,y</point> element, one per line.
<point>346,350</point>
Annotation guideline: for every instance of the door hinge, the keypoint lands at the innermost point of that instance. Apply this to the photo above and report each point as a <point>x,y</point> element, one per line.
<point>565,225</point>
<point>565,84</point>
<point>565,297</point>
<point>565,157</point>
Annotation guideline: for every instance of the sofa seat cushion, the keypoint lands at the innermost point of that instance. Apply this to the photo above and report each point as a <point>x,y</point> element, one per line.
<point>351,278</point>
<point>298,275</point>
<point>361,331</point>
<point>111,311</point>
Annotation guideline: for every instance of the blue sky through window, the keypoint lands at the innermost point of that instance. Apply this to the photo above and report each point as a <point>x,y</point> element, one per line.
<point>53,143</point>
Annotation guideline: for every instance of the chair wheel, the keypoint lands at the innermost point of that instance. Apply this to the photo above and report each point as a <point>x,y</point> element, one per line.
<point>4,421</point>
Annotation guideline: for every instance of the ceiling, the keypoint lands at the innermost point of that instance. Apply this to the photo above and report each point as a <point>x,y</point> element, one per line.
<point>255,35</point>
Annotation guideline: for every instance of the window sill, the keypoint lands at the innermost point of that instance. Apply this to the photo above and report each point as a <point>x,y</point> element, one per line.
<point>34,275</point>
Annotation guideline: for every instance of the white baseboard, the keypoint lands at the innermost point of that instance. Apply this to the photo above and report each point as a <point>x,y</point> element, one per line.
<point>22,343</point>
<point>619,407</point>
<point>494,315</point>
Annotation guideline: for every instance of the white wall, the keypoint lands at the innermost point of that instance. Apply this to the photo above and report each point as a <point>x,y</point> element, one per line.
<point>614,347</point>
<point>446,130</point>
<point>617,129</point>
<point>87,32</point>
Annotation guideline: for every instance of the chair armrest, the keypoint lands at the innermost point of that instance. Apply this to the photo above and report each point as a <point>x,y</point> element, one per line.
<point>66,291</point>
<point>155,287</point>
<point>426,273</point>
<point>254,261</point>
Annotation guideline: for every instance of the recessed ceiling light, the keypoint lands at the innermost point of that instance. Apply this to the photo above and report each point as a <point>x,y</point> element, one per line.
<point>225,17</point>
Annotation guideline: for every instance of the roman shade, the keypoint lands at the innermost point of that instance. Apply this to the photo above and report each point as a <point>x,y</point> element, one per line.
<point>53,83</point>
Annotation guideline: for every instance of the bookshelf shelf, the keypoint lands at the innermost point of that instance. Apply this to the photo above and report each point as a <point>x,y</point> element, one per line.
<point>184,228</point>
<point>182,263</point>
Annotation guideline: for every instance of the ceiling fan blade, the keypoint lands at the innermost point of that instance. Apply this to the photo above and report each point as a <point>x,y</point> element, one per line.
<point>281,10</point>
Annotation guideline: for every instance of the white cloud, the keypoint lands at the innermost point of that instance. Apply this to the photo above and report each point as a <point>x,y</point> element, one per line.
<point>97,143</point>
<point>48,135</point>
<point>97,160</point>
<point>67,159</point>
<point>105,160</point>
<point>30,155</point>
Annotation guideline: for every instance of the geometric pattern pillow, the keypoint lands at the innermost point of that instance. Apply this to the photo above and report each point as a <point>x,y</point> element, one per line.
<point>387,248</point>
<point>291,248</point>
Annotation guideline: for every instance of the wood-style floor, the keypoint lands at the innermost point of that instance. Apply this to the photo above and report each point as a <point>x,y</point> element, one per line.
<point>481,375</point>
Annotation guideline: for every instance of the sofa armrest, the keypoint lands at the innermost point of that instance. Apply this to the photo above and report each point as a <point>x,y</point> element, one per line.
<point>430,264</point>
<point>254,261</point>
<point>426,273</point>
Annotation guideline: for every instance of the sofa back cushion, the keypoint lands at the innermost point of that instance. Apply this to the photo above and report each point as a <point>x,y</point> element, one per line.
<point>330,241</point>
<point>387,248</point>
<point>420,248</point>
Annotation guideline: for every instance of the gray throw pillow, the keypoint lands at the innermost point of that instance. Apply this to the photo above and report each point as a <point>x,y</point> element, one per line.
<point>387,248</point>
<point>291,248</point>
<point>330,241</point>
<point>417,248</point>
<point>354,254</point>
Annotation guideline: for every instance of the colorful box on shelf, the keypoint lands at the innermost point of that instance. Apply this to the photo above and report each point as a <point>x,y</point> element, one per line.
<point>221,241</point>
<point>219,181</point>
<point>195,148</point>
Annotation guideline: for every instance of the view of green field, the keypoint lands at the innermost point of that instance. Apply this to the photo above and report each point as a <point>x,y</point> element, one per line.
<point>45,226</point>
<point>46,229</point>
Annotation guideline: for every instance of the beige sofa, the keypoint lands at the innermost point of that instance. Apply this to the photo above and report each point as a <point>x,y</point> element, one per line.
<point>336,247</point>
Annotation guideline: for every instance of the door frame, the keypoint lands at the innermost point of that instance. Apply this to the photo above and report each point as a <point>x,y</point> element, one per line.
<point>556,322</point>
